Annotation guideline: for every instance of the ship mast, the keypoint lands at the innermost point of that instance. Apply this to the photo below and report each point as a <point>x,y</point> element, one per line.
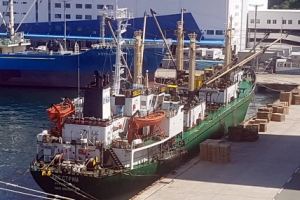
<point>228,49</point>
<point>11,20</point>
<point>121,15</point>
<point>104,15</point>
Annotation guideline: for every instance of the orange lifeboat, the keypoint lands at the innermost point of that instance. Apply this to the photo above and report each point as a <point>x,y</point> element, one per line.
<point>152,119</point>
<point>60,110</point>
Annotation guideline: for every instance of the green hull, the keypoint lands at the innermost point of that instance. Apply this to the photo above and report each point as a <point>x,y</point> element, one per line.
<point>132,181</point>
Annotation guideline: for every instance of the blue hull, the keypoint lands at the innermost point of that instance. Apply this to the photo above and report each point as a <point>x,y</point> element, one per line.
<point>62,70</point>
<point>91,28</point>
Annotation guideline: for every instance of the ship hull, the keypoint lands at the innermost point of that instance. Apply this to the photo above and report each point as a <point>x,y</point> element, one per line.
<point>63,70</point>
<point>137,179</point>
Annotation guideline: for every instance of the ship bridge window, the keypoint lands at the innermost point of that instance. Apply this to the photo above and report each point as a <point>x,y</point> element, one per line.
<point>78,5</point>
<point>88,16</point>
<point>100,7</point>
<point>68,5</point>
<point>68,16</point>
<point>57,16</point>
<point>24,2</point>
<point>210,32</point>
<point>110,7</point>
<point>57,5</point>
<point>283,21</point>
<point>88,6</point>
<point>5,3</point>
<point>268,21</point>
<point>252,21</point>
<point>257,21</point>
<point>78,16</point>
<point>274,21</point>
<point>290,22</point>
<point>99,17</point>
<point>219,32</point>
<point>298,21</point>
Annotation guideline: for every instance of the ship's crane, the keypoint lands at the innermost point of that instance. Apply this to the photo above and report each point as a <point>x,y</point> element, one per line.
<point>240,64</point>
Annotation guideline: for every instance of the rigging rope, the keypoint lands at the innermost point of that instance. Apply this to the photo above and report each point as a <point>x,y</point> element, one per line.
<point>28,194</point>
<point>37,191</point>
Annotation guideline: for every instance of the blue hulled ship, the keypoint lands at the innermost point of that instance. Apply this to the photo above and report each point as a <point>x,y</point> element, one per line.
<point>57,67</point>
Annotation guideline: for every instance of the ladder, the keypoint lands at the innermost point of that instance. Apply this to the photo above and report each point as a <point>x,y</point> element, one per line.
<point>116,159</point>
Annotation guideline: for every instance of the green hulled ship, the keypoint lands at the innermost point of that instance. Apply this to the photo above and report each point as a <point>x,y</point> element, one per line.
<point>117,140</point>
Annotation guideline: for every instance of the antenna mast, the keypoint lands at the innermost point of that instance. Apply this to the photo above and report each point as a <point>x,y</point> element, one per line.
<point>121,15</point>
<point>11,20</point>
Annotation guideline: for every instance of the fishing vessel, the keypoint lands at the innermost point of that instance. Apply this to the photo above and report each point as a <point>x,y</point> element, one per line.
<point>120,137</point>
<point>61,68</point>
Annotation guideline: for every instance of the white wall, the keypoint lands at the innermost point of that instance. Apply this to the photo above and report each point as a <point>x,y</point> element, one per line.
<point>277,15</point>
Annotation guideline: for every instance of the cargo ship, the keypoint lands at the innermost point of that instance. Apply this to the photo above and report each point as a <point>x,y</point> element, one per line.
<point>57,67</point>
<point>118,138</point>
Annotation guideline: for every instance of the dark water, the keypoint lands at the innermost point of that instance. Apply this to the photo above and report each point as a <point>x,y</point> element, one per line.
<point>23,116</point>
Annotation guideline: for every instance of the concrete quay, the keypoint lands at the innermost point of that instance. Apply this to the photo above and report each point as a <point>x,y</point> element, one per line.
<point>267,169</point>
<point>277,82</point>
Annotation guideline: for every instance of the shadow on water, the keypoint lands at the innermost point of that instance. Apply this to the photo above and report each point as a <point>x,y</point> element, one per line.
<point>23,116</point>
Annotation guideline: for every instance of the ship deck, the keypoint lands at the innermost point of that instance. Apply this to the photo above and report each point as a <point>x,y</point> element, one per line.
<point>265,169</point>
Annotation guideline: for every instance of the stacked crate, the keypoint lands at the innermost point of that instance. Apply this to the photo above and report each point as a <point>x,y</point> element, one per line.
<point>278,117</point>
<point>264,115</point>
<point>286,97</point>
<point>247,132</point>
<point>297,99</point>
<point>215,150</point>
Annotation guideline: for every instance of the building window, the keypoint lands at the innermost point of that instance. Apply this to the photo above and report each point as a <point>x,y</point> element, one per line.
<point>57,5</point>
<point>68,5</point>
<point>274,21</point>
<point>110,7</point>
<point>258,21</point>
<point>88,16</point>
<point>100,7</point>
<point>219,32</point>
<point>78,16</point>
<point>88,6</point>
<point>268,21</point>
<point>78,5</point>
<point>290,21</point>
<point>57,16</point>
<point>68,16</point>
<point>210,32</point>
<point>283,21</point>
<point>5,3</point>
<point>252,21</point>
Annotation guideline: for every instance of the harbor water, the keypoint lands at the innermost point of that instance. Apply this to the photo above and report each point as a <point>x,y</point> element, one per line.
<point>23,116</point>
